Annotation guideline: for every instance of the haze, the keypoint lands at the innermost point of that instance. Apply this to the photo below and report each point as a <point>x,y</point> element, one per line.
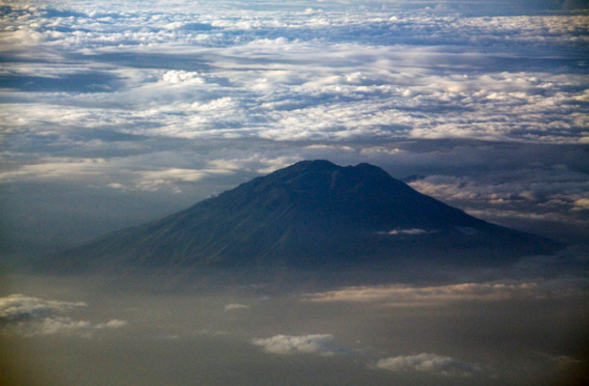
<point>117,113</point>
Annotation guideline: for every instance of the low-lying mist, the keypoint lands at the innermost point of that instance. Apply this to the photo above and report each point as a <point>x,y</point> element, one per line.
<point>420,324</point>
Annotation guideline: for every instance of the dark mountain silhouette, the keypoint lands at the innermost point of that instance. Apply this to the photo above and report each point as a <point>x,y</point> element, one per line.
<point>313,213</point>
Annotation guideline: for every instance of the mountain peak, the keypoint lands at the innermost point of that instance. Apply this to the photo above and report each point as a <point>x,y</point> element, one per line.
<point>319,164</point>
<point>320,175</point>
<point>325,165</point>
<point>313,213</point>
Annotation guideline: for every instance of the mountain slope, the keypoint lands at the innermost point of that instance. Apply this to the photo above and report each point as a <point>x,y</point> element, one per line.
<point>313,213</point>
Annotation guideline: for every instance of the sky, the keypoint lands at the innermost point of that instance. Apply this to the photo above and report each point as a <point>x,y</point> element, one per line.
<point>115,113</point>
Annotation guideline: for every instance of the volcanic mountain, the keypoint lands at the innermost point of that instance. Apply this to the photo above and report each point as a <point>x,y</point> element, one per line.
<point>313,213</point>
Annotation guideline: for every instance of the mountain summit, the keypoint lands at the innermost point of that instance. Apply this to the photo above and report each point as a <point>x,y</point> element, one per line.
<point>313,213</point>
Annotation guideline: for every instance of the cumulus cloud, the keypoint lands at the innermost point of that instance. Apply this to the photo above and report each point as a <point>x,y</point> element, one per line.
<point>406,295</point>
<point>430,364</point>
<point>182,77</point>
<point>28,316</point>
<point>303,344</point>
<point>282,90</point>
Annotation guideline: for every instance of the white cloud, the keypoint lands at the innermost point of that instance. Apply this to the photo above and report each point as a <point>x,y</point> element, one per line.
<point>494,106</point>
<point>429,363</point>
<point>176,77</point>
<point>379,150</point>
<point>28,316</point>
<point>303,344</point>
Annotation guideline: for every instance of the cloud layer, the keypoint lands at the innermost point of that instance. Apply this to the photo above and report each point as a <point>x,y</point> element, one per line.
<point>134,100</point>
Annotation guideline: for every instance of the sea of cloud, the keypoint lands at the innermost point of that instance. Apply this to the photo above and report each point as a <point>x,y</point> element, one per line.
<point>114,113</point>
<point>169,103</point>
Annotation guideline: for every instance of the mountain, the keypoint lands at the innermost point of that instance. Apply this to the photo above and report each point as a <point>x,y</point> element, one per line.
<point>313,213</point>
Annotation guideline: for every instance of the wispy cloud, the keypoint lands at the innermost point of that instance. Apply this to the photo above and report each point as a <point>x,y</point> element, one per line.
<point>235,306</point>
<point>406,295</point>
<point>432,364</point>
<point>409,232</point>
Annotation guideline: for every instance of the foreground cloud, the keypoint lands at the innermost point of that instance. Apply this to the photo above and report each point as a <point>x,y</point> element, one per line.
<point>235,306</point>
<point>303,344</point>
<point>16,308</point>
<point>29,316</point>
<point>429,363</point>
<point>405,295</point>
